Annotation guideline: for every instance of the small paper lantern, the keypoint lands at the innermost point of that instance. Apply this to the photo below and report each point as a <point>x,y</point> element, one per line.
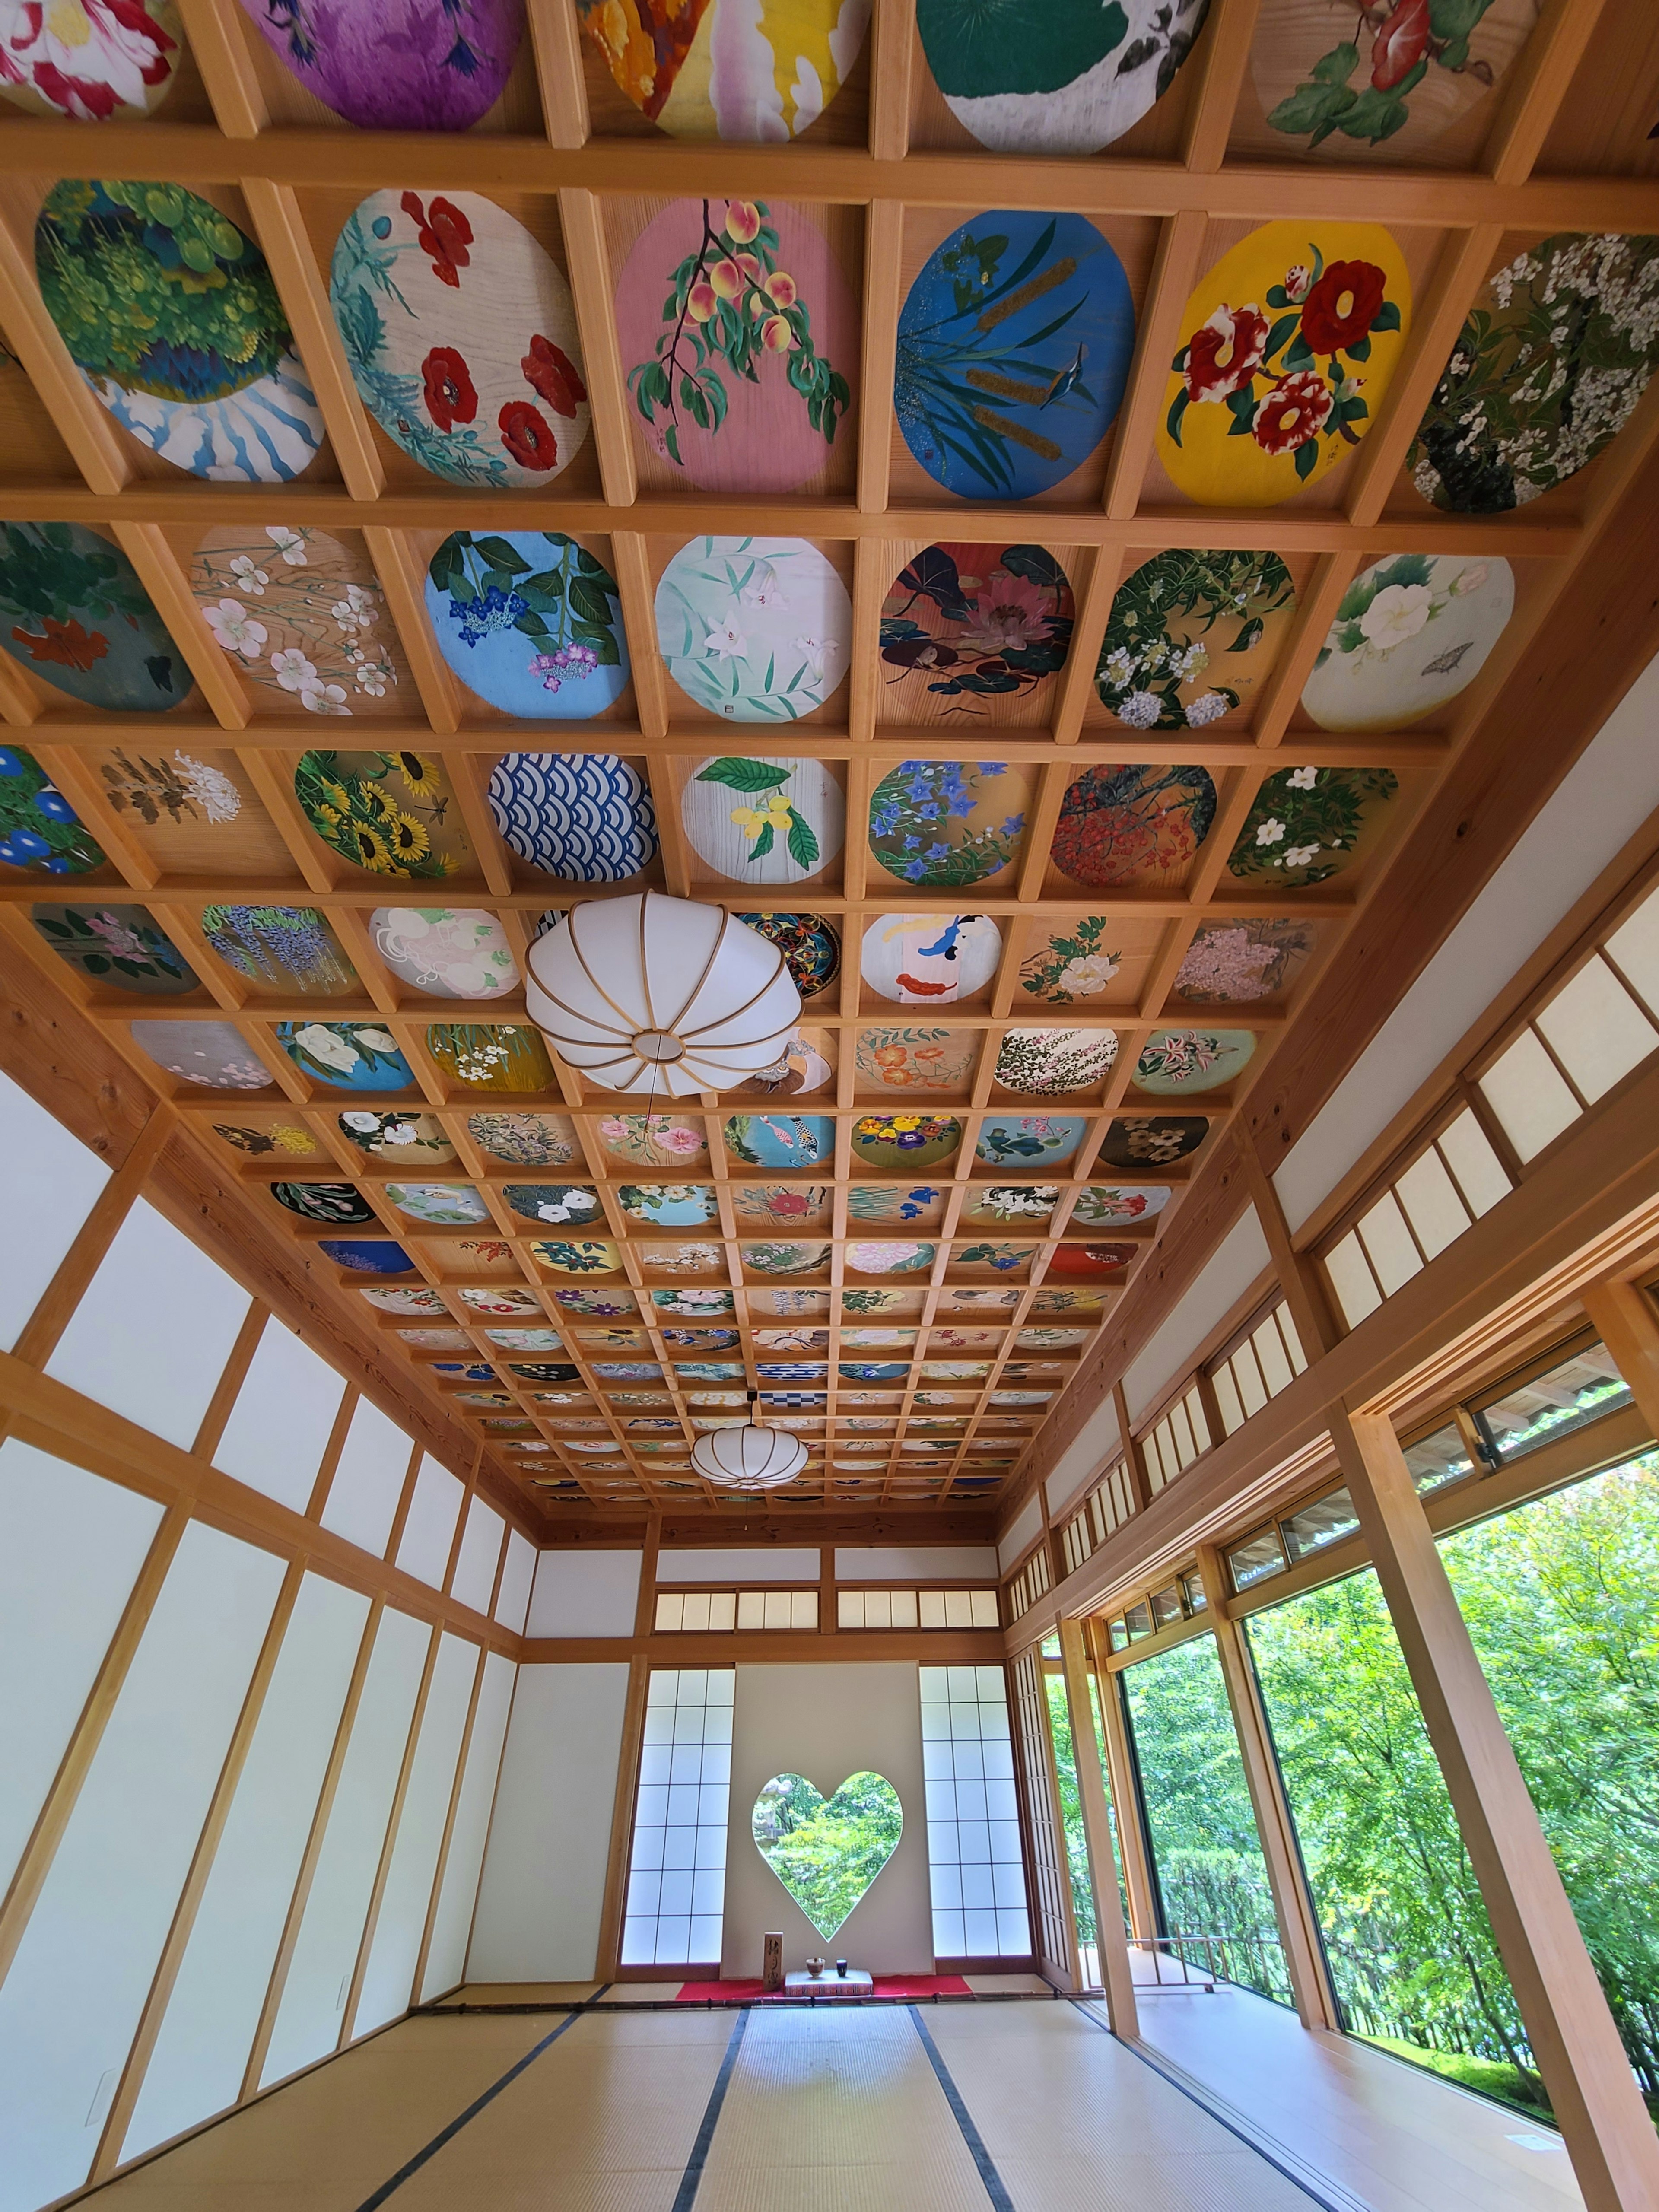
<point>661,994</point>
<point>749,1457</point>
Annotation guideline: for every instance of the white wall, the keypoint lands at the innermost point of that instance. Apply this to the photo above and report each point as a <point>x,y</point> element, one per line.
<point>283,1416</point>
<point>583,1593</point>
<point>1226,1275</point>
<point>1025,1527</point>
<point>549,1842</point>
<point>898,1563</point>
<point>446,1963</point>
<point>764,1563</point>
<point>52,1182</point>
<point>1096,1443</point>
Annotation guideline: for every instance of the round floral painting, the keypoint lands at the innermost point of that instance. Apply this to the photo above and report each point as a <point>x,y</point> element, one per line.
<point>301,614</point>
<point>122,947</point>
<point>1032,1202</point>
<point>1307,824</point>
<point>215,1055</point>
<point>916,1059</point>
<point>1146,1141</point>
<point>460,334</point>
<point>754,629</point>
<point>386,65</point>
<point>1266,398</point>
<point>346,1055</point>
<point>891,1259</point>
<point>785,1259</point>
<point>40,830</point>
<point>91,61</point>
<point>655,1141</point>
<point>810,944</point>
<point>1411,633</point>
<point>781,1205</point>
<point>389,812</point>
<point>197,360</point>
<point>1030,314</point>
<point>530,1140</point>
<point>451,1205</point>
<point>1047,1061</point>
<point>1133,825</point>
<point>564,1257</point>
<point>1080,960</point>
<point>1056,76</point>
<point>928,959</point>
<point>1557,350</point>
<point>501,1056</point>
<point>446,952</point>
<point>73,611</point>
<point>923,1206</point>
<point>1028,1140</point>
<point>945,824</point>
<point>1232,963</point>
<point>1079,1259</point>
<point>336,1202</point>
<point>587,817</point>
<point>1105,1206</point>
<point>404,1135</point>
<point>1191,635</point>
<point>965,623</point>
<point>280,949</point>
<point>367,1259</point>
<point>669,1204</point>
<point>909,1141</point>
<point>760,71</point>
<point>753,820</point>
<point>1176,1062</point>
<point>559,1202</point>
<point>531,621</point>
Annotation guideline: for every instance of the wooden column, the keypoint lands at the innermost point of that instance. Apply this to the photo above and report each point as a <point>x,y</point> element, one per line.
<point>1629,1326</point>
<point>1597,2106</point>
<point>613,1910</point>
<point>1111,1946</point>
<point>1131,1836</point>
<point>1298,1929</point>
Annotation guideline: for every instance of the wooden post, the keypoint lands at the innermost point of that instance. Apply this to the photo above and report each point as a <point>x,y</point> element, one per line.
<point>1609,2134</point>
<point>1298,1929</point>
<point>1629,1326</point>
<point>1131,1838</point>
<point>1111,1946</point>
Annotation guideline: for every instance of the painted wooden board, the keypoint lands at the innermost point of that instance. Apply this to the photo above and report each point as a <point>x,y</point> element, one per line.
<point>192,809</point>
<point>203,373</point>
<point>1558,347</point>
<point>1143,1141</point>
<point>963,625</point>
<point>930,959</point>
<point>757,820</point>
<point>916,1059</point>
<point>741,344</point>
<point>1031,313</point>
<point>280,950</point>
<point>1028,1140</point>
<point>346,1055</point>
<point>302,614</point>
<point>1134,825</point>
<point>396,65</point>
<point>893,1205</point>
<point>556,1202</point>
<point>92,61</point>
<point>40,831</point>
<point>669,1204</point>
<point>891,1259</point>
<point>945,824</point>
<point>1411,633</point>
<point>1045,1062</point>
<point>389,812</point>
<point>215,1055</point>
<point>1070,960</point>
<point>120,948</point>
<point>655,1141</point>
<point>530,621</point>
<point>1232,962</point>
<point>338,1204</point>
<point>404,1135</point>
<point>587,817</point>
<point>1054,76</point>
<point>1174,1063</point>
<point>1307,824</point>
<point>759,72</point>
<point>370,1258</point>
<point>484,1056</point>
<point>1192,635</point>
<point>1111,1206</point>
<point>446,952</point>
<point>1005,1202</point>
<point>1401,78</point>
<point>808,1063</point>
<point>1085,1259</point>
<point>581,1257</point>
<point>782,1259</point>
<point>754,630</point>
<point>530,1140</point>
<point>73,611</point>
<point>810,944</point>
<point>460,334</point>
<point>780,1140</point>
<point>448,1204</point>
<point>1287,347</point>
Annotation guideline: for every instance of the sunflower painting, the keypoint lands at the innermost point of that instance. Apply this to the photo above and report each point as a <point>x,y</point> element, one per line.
<point>388,812</point>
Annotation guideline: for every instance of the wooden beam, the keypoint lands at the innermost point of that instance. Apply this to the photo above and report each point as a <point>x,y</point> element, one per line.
<point>1592,2091</point>
<point>1126,1797</point>
<point>1624,1314</point>
<point>1111,1946</point>
<point>608,1951</point>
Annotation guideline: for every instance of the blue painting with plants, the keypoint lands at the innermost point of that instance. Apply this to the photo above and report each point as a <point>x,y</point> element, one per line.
<point>530,620</point>
<point>1013,348</point>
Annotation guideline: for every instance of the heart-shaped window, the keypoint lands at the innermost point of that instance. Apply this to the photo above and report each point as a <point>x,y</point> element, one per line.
<point>827,1852</point>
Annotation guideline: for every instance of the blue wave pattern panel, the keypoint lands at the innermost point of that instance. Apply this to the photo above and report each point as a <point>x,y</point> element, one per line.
<point>586,817</point>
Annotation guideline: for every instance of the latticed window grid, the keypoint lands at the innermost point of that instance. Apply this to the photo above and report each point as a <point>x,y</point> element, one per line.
<point>1105,1509</point>
<point>917,1609</point>
<point>1050,1885</point>
<point>1175,1440</point>
<point>676,1902</point>
<point>1258,1368</point>
<point>1032,1581</point>
<point>974,1859</point>
<point>703,1611</point>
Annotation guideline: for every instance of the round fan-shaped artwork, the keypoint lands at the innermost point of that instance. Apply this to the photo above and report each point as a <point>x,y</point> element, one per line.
<point>336,1202</point>
<point>1045,1062</point>
<point>171,314</point>
<point>739,341</point>
<point>460,334</point>
<point>1014,343</point>
<point>1103,1206</point>
<point>785,1259</point>
<point>390,65</point>
<point>760,71</point>
<point>1191,635</point>
<point>572,1257</point>
<point>91,61</point>
<point>917,1059</point>
<point>280,950</point>
<point>301,614</point>
<point>965,623</point>
<point>406,1135</point>
<point>1286,350</point>
<point>560,1202</point>
<point>944,824</point>
<point>1307,824</point>
<point>655,1141</point>
<point>1176,1062</point>
<point>1006,1202</point>
<point>1144,1142</point>
<point>1028,1140</point>
<point>215,1055</point>
<point>1054,76</point>
<point>526,1141</point>
<point>587,817</point>
<point>754,820</point>
<point>1410,634</point>
<point>1232,962</point>
<point>891,1259</point>
<point>485,1056</point>
<point>121,947</point>
<point>531,621</point>
<point>908,1141</point>
<point>1133,825</point>
<point>780,1140</point>
<point>930,959</point>
<point>73,611</point>
<point>669,1204</point>
<point>346,1055</point>
<point>367,1259</point>
<point>447,952</point>
<point>754,629</point>
<point>810,944</point>
<point>1082,1260</point>
<point>389,812</point>
<point>40,830</point>
<point>448,1205</point>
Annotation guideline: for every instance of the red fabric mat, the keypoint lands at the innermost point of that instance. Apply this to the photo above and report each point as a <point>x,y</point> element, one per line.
<point>886,1985</point>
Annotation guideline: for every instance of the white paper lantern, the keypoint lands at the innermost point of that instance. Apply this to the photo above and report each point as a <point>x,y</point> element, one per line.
<point>749,1458</point>
<point>661,994</point>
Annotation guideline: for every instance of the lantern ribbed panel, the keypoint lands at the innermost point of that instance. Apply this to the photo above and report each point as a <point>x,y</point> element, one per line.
<point>749,1457</point>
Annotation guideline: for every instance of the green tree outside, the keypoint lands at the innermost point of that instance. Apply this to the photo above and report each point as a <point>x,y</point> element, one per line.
<point>826,1852</point>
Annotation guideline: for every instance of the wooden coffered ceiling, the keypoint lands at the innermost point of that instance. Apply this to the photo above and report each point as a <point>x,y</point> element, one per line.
<point>972,1354</point>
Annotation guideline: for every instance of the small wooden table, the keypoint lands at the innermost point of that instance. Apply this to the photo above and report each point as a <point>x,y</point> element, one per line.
<point>851,1984</point>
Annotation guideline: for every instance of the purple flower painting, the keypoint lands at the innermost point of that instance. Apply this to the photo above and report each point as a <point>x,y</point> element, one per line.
<point>397,65</point>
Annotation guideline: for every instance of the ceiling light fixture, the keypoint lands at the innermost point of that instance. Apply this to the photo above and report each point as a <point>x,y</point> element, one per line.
<point>749,1457</point>
<point>691,999</point>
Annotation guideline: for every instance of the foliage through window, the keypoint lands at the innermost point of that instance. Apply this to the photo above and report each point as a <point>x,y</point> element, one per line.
<point>827,1851</point>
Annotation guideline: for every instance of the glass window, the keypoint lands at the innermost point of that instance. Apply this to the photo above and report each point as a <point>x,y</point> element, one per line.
<point>1437,1459</point>
<point>1255,1559</point>
<point>1166,1606</point>
<point>1409,1947</point>
<point>1210,1878</point>
<point>1326,1521</point>
<point>1138,1622</point>
<point>677,1872</point>
<point>1579,1390</point>
<point>1191,1585</point>
<point>975,1865</point>
<point>1117,1631</point>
